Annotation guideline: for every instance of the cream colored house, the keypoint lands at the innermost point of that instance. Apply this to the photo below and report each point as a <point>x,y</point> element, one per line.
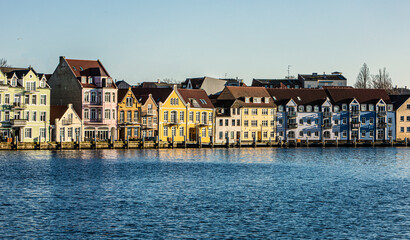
<point>401,104</point>
<point>67,125</point>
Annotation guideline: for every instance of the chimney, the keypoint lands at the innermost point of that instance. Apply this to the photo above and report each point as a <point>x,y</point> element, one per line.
<point>158,80</point>
<point>70,105</point>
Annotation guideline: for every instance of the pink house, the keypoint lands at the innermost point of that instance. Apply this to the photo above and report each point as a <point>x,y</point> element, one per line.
<point>87,85</point>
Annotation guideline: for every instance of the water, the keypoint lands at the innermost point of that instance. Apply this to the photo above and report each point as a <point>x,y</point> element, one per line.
<point>331,193</point>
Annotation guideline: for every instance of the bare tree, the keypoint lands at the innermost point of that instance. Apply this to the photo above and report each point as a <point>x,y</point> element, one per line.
<point>3,63</point>
<point>363,79</point>
<point>382,80</point>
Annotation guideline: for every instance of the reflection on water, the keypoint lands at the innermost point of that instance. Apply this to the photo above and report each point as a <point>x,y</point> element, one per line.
<point>206,193</point>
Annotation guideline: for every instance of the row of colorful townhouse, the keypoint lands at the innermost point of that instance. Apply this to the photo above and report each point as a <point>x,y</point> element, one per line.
<point>80,101</point>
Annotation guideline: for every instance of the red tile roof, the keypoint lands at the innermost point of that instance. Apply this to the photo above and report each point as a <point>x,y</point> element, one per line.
<point>87,68</point>
<point>194,96</point>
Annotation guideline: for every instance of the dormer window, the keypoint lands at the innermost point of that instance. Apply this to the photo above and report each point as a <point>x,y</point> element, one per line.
<point>81,68</point>
<point>344,107</point>
<point>75,69</point>
<point>42,84</point>
<point>300,108</point>
<point>247,100</point>
<point>83,79</point>
<point>308,108</point>
<point>256,100</point>
<point>202,101</point>
<point>390,107</point>
<point>90,80</point>
<point>316,108</point>
<point>280,108</point>
<point>336,108</point>
<point>266,100</point>
<point>13,82</point>
<point>371,107</point>
<point>363,107</point>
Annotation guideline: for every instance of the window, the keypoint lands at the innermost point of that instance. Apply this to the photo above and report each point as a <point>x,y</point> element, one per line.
<point>181,131</point>
<point>144,120</point>
<point>34,99</point>
<point>246,111</point>
<point>371,120</point>
<point>42,116</point>
<point>265,134</point>
<point>316,134</point>
<point>408,118</point>
<point>42,133</point>
<point>107,97</point>
<point>43,99</point>
<point>6,116</point>
<point>6,98</point>
<point>254,123</point>
<point>233,122</point>
<point>308,121</point>
<point>226,122</point>
<point>129,116</point>
<point>280,121</point>
<point>209,132</point>
<point>221,135</point>
<point>86,96</point>
<point>174,131</point>
<point>27,133</point>
<point>246,123</point>
<point>93,97</point>
<point>408,106</point>
<point>265,123</point>
<point>301,121</point>
<point>113,97</point>
<point>264,111</point>
<point>309,133</point>
<point>122,116</point>
<point>129,101</point>
<point>107,114</point>
<point>165,116</point>
<point>408,129</point>
<point>401,129</point>
<point>401,118</point>
<point>197,116</point>
<point>272,122</point>
<point>28,115</point>
<point>336,109</point>
<point>166,131</point>
<point>245,135</point>
<point>272,134</point>
<point>344,120</point>
<point>389,120</point>
<point>221,122</point>
<point>70,132</point>
<point>182,116</point>
<point>202,101</point>
<point>344,133</point>
<point>210,117</point>
<point>363,107</point>
<point>136,116</point>
<point>113,114</point>
<point>336,121</point>
<point>363,133</point>
<point>203,132</point>
<point>371,133</point>
<point>191,117</point>
<point>363,120</point>
<point>254,111</point>
<point>301,134</point>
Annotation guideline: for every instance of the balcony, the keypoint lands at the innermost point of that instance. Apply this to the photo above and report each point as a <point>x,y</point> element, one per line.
<point>148,113</point>
<point>125,123</point>
<point>172,122</point>
<point>292,114</point>
<point>327,125</point>
<point>381,125</point>
<point>67,121</point>
<point>327,114</point>
<point>97,103</point>
<point>355,113</point>
<point>18,105</point>
<point>292,125</point>
<point>203,123</point>
<point>148,126</point>
<point>381,113</point>
<point>18,122</point>
<point>355,125</point>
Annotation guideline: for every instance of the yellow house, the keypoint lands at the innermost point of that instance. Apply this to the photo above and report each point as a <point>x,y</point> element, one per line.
<point>401,104</point>
<point>257,111</point>
<point>200,110</point>
<point>129,115</point>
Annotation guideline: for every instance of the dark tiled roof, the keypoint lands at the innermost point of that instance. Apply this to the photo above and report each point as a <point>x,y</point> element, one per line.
<point>316,77</point>
<point>121,94</point>
<point>57,112</point>
<point>158,94</point>
<point>302,96</point>
<point>122,84</point>
<point>10,69</point>
<point>398,100</point>
<point>276,83</point>
<point>194,96</point>
<point>363,96</point>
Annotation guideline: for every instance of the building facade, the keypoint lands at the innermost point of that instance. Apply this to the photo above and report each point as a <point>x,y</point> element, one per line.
<point>129,115</point>
<point>87,85</point>
<point>401,104</point>
<point>25,105</point>
<point>66,124</point>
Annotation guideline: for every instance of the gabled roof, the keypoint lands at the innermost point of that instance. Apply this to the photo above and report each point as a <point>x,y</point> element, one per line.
<point>304,96</point>
<point>240,93</point>
<point>57,112</point>
<point>363,96</point>
<point>398,100</point>
<point>121,94</point>
<point>20,72</point>
<point>122,84</point>
<point>87,68</point>
<point>196,98</point>
<point>276,83</point>
<point>158,94</point>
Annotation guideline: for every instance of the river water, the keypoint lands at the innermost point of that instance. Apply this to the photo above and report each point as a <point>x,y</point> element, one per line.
<point>332,193</point>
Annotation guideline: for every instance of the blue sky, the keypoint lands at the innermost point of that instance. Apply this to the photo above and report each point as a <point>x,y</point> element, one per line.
<point>148,40</point>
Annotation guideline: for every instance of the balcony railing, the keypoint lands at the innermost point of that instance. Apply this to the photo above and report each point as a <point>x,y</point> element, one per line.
<point>292,125</point>
<point>381,113</point>
<point>67,121</point>
<point>327,125</point>
<point>18,122</point>
<point>172,122</point>
<point>327,114</point>
<point>18,105</point>
<point>292,114</point>
<point>355,125</point>
<point>381,125</point>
